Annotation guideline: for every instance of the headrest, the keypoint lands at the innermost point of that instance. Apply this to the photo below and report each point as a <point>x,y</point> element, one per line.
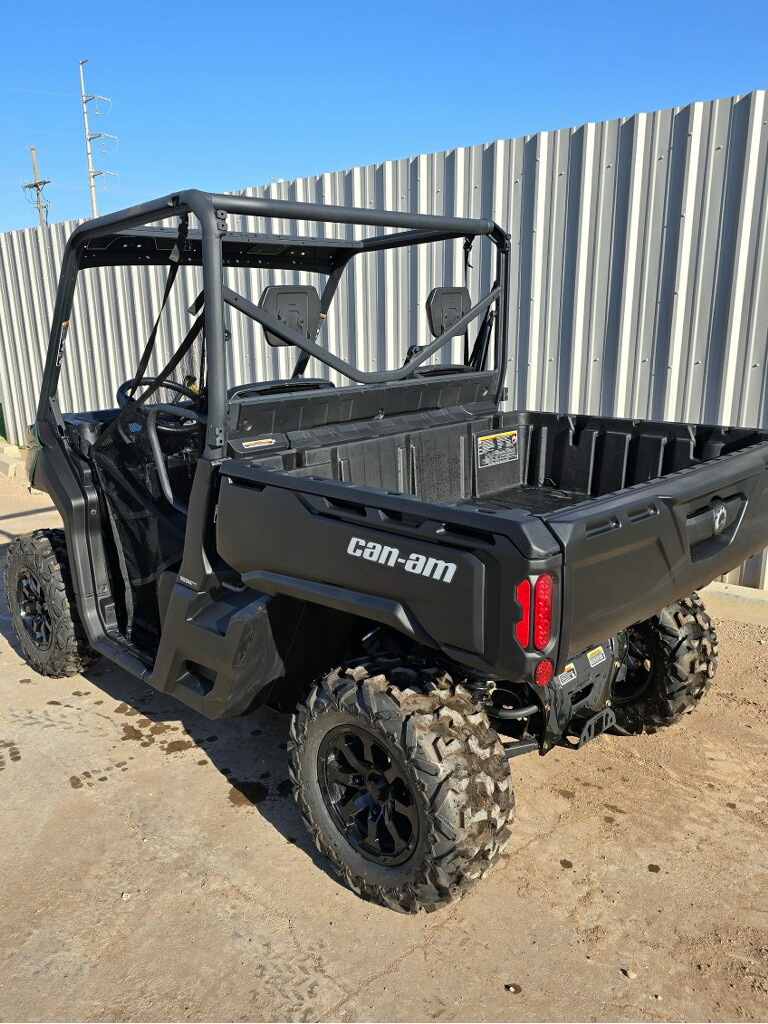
<point>296,305</point>
<point>445,306</point>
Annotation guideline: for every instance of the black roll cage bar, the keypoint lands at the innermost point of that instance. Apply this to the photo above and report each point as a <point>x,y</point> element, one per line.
<point>213,247</point>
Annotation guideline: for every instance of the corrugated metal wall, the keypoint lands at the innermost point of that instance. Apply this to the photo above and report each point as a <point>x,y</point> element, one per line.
<point>640,258</point>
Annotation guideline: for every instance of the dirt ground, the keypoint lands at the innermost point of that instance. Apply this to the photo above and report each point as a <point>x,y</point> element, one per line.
<point>154,867</point>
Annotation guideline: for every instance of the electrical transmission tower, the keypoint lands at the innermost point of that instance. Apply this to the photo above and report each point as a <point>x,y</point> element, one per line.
<point>85,99</point>
<point>37,185</point>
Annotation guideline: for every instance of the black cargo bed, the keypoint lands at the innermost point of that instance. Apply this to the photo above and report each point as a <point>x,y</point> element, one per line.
<point>545,462</point>
<point>629,516</point>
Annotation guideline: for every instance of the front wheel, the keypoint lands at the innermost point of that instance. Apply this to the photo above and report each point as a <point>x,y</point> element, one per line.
<point>670,662</point>
<point>41,602</point>
<point>407,792</point>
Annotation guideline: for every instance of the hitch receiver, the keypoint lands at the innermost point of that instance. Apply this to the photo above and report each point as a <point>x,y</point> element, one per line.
<point>601,722</point>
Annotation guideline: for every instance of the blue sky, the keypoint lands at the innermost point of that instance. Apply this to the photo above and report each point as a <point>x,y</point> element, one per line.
<point>223,95</point>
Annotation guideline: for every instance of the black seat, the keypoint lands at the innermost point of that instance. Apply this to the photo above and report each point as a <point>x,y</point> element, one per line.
<point>297,306</point>
<point>444,307</point>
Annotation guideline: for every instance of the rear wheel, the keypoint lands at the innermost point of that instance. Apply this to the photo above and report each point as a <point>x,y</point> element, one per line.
<point>669,665</point>
<point>41,602</point>
<point>407,792</point>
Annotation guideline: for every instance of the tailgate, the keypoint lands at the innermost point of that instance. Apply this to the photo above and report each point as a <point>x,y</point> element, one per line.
<point>629,554</point>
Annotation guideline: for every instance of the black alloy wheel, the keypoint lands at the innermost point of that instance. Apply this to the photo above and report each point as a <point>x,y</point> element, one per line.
<point>368,795</point>
<point>33,609</point>
<point>42,607</point>
<point>401,781</point>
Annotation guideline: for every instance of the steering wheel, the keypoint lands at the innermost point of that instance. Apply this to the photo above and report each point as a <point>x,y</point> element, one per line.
<point>170,424</point>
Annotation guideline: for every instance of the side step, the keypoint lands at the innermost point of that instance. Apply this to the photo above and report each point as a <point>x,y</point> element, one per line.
<point>215,656</point>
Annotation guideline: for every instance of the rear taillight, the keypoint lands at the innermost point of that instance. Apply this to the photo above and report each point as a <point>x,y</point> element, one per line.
<point>534,627</point>
<point>542,611</point>
<point>523,626</point>
<point>535,623</point>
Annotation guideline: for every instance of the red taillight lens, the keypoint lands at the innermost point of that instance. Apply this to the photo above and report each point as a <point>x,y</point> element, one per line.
<point>523,626</point>
<point>543,672</point>
<point>542,612</point>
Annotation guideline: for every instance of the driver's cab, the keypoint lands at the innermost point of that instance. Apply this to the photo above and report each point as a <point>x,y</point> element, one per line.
<point>145,451</point>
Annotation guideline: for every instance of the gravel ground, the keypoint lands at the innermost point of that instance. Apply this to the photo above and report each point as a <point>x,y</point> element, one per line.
<point>155,867</point>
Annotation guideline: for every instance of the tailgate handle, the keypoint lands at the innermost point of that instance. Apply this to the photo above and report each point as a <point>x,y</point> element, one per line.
<point>712,528</point>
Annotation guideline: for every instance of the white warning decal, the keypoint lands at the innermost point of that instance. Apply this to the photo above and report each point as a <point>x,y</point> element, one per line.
<point>495,448</point>
<point>261,442</point>
<point>568,675</point>
<point>596,657</point>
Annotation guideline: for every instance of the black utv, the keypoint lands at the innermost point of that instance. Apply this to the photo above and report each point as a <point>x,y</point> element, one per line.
<point>389,554</point>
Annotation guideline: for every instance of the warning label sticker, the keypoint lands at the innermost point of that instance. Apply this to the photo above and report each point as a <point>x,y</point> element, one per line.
<point>568,674</point>
<point>596,657</point>
<point>261,442</point>
<point>493,449</point>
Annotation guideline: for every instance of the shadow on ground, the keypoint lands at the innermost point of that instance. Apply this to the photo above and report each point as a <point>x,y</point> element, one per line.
<point>249,751</point>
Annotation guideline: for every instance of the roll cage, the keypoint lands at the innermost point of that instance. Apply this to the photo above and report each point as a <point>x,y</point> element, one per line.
<point>123,239</point>
<point>134,237</point>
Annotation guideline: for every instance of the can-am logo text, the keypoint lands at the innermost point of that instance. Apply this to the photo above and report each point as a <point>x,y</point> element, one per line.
<point>419,565</point>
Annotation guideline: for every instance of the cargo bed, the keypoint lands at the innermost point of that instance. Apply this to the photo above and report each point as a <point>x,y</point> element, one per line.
<point>640,513</point>
<point>538,500</point>
<point>535,463</point>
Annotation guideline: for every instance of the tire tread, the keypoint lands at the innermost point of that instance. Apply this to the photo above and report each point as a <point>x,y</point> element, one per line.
<point>687,649</point>
<point>451,755</point>
<point>45,552</point>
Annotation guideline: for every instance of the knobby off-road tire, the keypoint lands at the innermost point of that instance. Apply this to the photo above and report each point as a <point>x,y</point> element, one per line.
<point>41,602</point>
<point>671,661</point>
<point>406,792</point>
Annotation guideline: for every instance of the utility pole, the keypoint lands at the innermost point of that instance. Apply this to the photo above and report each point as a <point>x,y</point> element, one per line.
<point>85,99</point>
<point>37,185</point>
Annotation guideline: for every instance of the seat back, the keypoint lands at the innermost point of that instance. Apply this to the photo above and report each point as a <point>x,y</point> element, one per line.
<point>296,305</point>
<point>445,306</point>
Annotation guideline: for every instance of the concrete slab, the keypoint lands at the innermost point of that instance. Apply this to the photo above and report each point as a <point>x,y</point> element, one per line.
<point>742,604</point>
<point>10,466</point>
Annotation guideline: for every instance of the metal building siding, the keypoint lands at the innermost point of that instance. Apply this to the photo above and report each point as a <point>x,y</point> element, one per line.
<point>639,274</point>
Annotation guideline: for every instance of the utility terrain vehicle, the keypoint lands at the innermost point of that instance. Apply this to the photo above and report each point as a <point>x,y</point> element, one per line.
<point>387,553</point>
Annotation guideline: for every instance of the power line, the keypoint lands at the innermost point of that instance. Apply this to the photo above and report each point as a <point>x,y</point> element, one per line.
<point>85,99</point>
<point>37,185</point>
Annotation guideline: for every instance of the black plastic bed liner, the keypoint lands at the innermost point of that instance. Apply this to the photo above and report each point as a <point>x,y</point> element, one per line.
<point>528,498</point>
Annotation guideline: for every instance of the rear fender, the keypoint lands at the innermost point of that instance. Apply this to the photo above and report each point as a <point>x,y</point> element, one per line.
<point>448,587</point>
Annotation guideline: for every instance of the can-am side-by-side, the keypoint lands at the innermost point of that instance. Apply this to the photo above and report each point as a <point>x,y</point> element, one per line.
<point>390,554</point>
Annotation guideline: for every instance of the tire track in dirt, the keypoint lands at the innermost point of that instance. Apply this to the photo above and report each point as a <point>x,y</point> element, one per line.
<point>11,756</point>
